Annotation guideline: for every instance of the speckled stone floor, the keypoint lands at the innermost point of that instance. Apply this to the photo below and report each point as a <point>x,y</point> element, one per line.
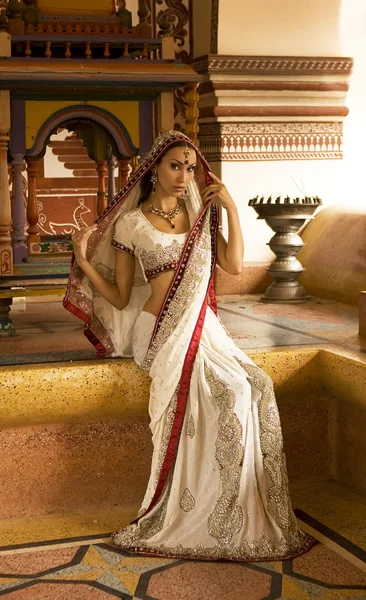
<point>67,555</point>
<point>48,333</point>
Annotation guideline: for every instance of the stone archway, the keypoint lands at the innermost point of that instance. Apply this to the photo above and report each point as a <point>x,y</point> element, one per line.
<point>124,147</point>
<point>107,143</point>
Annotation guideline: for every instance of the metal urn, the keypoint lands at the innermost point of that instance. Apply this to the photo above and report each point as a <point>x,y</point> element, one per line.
<point>285,216</point>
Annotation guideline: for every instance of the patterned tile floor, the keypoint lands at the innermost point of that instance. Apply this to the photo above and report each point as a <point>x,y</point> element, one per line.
<point>79,570</point>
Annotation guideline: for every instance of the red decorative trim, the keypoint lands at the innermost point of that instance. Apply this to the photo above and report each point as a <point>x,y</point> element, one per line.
<point>122,247</point>
<point>167,267</point>
<point>308,543</point>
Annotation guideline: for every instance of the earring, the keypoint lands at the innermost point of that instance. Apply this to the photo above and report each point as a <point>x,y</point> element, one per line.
<point>154,178</point>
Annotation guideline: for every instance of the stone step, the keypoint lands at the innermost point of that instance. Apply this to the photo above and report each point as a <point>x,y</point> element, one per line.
<point>75,435</point>
<point>327,502</point>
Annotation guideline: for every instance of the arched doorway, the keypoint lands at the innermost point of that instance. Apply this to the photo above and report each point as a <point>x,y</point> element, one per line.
<point>93,151</point>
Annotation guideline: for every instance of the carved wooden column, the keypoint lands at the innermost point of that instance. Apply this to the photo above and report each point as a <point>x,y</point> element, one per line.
<point>17,148</point>
<point>192,113</point>
<point>124,170</point>
<point>6,250</point>
<point>144,14</point>
<point>102,196</point>
<point>32,207</point>
<point>111,178</point>
<point>18,210</point>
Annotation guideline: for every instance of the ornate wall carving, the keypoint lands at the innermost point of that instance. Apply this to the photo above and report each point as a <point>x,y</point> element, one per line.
<point>273,65</point>
<point>272,107</point>
<point>178,13</point>
<point>214,25</point>
<point>271,141</point>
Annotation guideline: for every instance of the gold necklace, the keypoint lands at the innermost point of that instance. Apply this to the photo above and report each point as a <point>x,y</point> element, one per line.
<point>169,215</point>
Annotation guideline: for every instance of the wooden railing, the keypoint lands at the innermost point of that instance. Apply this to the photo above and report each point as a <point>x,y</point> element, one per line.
<point>85,46</point>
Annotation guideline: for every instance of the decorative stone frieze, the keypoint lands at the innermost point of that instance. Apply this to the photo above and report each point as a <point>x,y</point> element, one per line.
<point>273,65</point>
<point>272,107</point>
<point>271,141</point>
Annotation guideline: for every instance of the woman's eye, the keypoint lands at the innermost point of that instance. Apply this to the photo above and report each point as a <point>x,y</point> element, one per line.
<point>174,166</point>
<point>191,169</point>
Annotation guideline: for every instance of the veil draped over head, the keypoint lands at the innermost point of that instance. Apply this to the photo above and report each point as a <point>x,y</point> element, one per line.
<point>107,328</point>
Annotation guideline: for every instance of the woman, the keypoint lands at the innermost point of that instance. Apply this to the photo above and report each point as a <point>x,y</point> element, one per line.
<point>142,280</point>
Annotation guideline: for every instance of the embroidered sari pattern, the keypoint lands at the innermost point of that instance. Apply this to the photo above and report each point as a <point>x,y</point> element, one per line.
<point>197,251</point>
<point>162,258</point>
<point>271,441</point>
<point>227,516</point>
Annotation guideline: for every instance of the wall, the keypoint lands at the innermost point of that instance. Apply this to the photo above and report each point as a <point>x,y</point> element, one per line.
<point>38,112</point>
<point>353,43</point>
<point>315,28</point>
<point>279,27</point>
<point>201,27</point>
<point>246,180</point>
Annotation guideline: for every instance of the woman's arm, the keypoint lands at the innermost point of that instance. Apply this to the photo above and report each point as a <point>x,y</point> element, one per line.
<point>118,293</point>
<point>229,253</point>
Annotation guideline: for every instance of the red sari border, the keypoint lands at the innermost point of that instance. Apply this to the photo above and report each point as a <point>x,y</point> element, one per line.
<point>185,379</point>
<point>141,551</point>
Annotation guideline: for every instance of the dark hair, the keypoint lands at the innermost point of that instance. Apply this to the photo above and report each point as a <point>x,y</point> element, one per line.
<point>146,183</point>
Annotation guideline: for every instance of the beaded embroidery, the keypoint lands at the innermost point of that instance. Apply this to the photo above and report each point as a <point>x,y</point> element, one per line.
<point>162,258</point>
<point>227,516</point>
<point>187,502</point>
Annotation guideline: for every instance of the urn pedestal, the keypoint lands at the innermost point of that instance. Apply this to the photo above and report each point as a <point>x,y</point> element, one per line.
<point>285,217</point>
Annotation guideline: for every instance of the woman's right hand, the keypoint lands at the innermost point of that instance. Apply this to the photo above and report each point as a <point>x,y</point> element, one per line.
<point>80,242</point>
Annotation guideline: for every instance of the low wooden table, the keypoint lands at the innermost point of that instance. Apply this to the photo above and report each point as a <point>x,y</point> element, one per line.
<point>8,292</point>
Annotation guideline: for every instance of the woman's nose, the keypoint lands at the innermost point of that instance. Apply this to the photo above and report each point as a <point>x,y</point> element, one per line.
<point>182,177</point>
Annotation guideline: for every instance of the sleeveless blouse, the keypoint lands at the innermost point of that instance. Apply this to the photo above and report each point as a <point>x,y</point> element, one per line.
<point>156,251</point>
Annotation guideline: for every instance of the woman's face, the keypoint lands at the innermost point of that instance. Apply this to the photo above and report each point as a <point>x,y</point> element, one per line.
<point>176,170</point>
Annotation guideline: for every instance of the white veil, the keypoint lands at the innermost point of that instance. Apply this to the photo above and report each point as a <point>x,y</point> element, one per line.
<point>107,328</point>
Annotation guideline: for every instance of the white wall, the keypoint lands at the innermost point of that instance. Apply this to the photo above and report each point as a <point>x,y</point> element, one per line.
<point>353,43</point>
<point>52,166</point>
<point>284,27</point>
<point>133,6</point>
<point>246,180</point>
<point>316,27</point>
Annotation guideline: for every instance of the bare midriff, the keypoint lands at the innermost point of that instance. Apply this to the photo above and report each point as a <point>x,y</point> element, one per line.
<point>160,286</point>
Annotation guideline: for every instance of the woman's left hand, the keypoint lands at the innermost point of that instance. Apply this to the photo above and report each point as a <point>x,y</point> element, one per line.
<point>218,191</point>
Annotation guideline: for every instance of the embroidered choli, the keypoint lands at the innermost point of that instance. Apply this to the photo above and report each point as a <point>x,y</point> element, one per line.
<point>157,251</point>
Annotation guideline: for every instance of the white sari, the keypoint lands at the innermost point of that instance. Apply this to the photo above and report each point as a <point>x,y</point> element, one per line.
<point>218,487</point>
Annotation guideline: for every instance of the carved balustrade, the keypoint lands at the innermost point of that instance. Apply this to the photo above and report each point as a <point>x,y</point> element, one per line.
<point>70,47</point>
<point>35,35</point>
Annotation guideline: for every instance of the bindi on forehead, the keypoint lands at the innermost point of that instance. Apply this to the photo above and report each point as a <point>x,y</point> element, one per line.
<point>184,156</point>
